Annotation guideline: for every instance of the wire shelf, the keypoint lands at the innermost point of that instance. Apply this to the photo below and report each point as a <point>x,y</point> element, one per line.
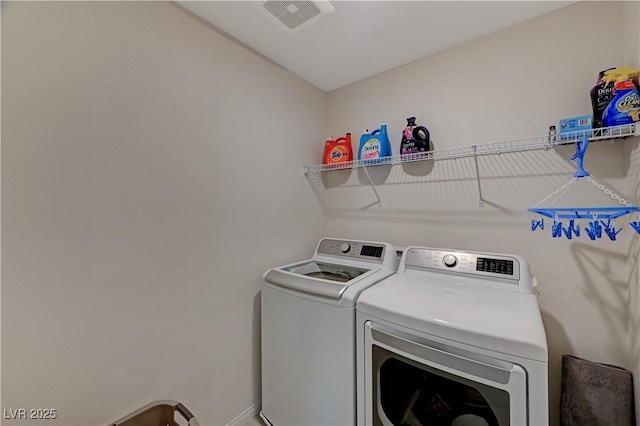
<point>332,196</point>
<point>516,145</point>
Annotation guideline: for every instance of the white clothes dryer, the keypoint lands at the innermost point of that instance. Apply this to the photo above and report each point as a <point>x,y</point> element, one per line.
<point>452,338</point>
<point>308,332</point>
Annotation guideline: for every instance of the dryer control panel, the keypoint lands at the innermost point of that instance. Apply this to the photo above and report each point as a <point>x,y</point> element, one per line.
<point>487,265</point>
<point>352,249</point>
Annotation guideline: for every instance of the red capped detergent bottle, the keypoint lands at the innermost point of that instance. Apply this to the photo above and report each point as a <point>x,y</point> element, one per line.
<point>338,151</point>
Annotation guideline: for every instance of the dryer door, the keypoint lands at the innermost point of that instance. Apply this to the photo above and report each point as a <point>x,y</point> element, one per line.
<point>410,380</point>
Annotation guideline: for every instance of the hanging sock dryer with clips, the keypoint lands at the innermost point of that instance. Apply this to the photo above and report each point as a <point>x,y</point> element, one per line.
<point>601,220</point>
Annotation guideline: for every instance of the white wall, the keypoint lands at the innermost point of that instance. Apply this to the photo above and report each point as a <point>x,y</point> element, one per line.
<point>508,85</point>
<point>151,174</point>
<point>631,21</point>
<point>633,256</point>
<point>132,195</point>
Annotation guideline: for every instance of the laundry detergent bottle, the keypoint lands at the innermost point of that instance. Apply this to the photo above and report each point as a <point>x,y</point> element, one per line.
<point>338,151</point>
<point>624,107</point>
<point>415,139</point>
<point>374,145</point>
<point>601,94</point>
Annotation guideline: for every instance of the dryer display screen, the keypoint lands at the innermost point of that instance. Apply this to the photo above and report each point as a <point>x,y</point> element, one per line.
<point>497,266</point>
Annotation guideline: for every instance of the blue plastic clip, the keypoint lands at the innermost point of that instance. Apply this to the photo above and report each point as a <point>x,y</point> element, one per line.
<point>595,230</point>
<point>535,224</point>
<point>572,228</point>
<point>610,230</point>
<point>581,150</point>
<point>636,226</point>
<point>556,229</point>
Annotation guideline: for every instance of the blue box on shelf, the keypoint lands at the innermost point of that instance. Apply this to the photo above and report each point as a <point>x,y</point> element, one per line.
<point>576,127</point>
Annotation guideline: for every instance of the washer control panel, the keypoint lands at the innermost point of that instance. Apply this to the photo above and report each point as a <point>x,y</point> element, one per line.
<point>352,249</point>
<point>488,265</point>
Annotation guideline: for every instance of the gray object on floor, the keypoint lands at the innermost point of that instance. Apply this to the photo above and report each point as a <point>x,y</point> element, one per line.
<point>159,413</point>
<point>595,394</point>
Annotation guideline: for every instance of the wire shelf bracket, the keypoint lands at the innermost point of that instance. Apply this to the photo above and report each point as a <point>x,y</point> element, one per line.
<point>373,186</point>
<point>475,159</point>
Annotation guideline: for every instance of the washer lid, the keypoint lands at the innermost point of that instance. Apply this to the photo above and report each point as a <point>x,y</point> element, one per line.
<point>326,271</point>
<point>498,320</point>
<point>319,278</point>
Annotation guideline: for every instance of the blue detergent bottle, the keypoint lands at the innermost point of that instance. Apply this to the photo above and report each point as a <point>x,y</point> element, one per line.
<point>624,107</point>
<point>374,145</point>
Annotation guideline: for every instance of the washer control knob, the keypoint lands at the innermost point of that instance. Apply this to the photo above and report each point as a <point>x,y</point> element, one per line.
<point>450,260</point>
<point>345,247</point>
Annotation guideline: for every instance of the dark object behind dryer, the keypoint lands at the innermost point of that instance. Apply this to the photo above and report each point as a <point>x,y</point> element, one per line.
<point>595,394</point>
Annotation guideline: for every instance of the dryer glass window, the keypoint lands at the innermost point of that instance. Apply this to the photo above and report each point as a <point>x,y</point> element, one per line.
<point>409,393</point>
<point>327,271</point>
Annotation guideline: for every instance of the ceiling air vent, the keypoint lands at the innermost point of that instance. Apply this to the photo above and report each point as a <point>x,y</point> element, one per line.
<point>294,16</point>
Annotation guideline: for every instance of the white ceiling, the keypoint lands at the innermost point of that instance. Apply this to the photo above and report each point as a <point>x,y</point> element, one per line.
<point>364,38</point>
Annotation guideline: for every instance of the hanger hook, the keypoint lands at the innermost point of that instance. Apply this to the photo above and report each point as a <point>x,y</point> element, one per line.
<point>581,150</point>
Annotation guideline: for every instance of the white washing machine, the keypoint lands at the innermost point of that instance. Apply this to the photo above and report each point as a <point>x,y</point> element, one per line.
<point>452,338</point>
<point>308,332</point>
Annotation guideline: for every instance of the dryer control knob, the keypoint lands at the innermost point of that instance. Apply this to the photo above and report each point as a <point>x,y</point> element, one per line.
<point>450,260</point>
<point>345,248</point>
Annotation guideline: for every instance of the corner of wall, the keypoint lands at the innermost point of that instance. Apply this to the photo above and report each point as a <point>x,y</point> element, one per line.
<point>631,54</point>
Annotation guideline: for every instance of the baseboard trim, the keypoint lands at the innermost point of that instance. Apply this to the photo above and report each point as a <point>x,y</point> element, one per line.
<point>244,417</point>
